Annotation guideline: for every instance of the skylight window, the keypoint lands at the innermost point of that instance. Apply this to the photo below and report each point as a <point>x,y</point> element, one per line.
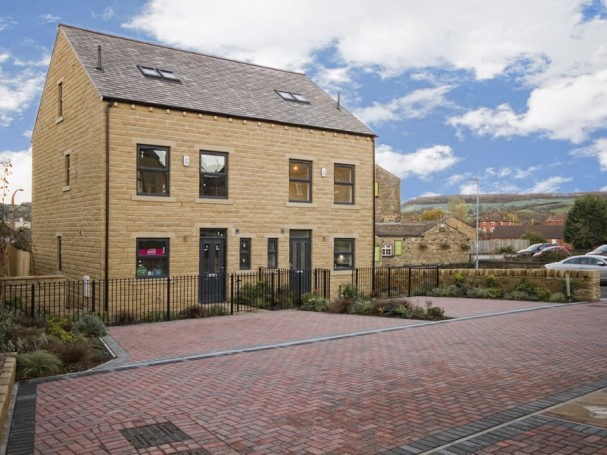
<point>158,73</point>
<point>290,96</point>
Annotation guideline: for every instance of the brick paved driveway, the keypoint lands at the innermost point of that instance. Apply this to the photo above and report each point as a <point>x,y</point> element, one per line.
<point>472,385</point>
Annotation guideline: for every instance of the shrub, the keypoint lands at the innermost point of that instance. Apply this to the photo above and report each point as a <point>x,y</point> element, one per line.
<point>519,295</point>
<point>448,291</point>
<point>434,313</point>
<point>543,293</point>
<point>491,281</point>
<point>74,356</point>
<point>349,291</point>
<point>57,328</point>
<point>360,307</point>
<point>484,293</point>
<point>26,339</point>
<point>459,279</point>
<point>314,302</point>
<point>558,297</point>
<point>256,295</point>
<point>6,325</point>
<point>90,325</point>
<point>506,250</point>
<point>37,364</point>
<point>340,306</point>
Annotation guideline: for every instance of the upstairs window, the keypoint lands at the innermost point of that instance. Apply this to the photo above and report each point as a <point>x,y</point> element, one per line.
<point>158,73</point>
<point>300,181</point>
<point>344,184</point>
<point>152,170</point>
<point>291,96</point>
<point>60,99</point>
<point>213,175</point>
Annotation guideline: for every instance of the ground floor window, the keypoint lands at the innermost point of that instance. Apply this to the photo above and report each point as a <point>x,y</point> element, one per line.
<point>343,253</point>
<point>152,258</point>
<point>245,254</point>
<point>386,250</point>
<point>272,253</point>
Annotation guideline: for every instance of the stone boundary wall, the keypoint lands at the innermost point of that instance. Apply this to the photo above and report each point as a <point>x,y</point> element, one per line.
<point>7,382</point>
<point>584,285</point>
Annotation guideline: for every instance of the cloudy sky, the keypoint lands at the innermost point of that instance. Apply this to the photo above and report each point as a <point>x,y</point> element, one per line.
<point>510,92</point>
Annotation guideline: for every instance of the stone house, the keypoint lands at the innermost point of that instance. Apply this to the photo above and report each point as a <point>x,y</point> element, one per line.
<point>421,243</point>
<point>150,161</point>
<point>387,203</point>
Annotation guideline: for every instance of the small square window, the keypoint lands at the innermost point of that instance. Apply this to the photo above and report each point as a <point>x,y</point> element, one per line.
<point>386,250</point>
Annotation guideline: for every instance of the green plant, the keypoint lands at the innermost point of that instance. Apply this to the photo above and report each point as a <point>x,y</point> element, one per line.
<point>59,328</point>
<point>543,293</point>
<point>491,281</point>
<point>125,318</point>
<point>37,364</point>
<point>256,295</point>
<point>484,293</point>
<point>217,310</point>
<point>155,316</point>
<point>506,250</point>
<point>360,307</point>
<point>558,297</point>
<point>434,313</point>
<point>349,291</point>
<point>6,325</point>
<point>459,279</point>
<point>26,339</point>
<point>314,302</point>
<point>340,306</point>
<point>448,291</point>
<point>90,325</point>
<point>73,355</point>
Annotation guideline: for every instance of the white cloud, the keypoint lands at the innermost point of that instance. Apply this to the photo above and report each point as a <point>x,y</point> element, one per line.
<point>391,35</point>
<point>598,150</point>
<point>107,14</point>
<point>50,18</point>
<point>17,93</point>
<point>567,109</point>
<point>21,174</point>
<point>515,173</point>
<point>423,162</point>
<point>549,185</point>
<point>417,104</point>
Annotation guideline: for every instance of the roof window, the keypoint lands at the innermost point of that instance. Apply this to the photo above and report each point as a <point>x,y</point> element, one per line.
<point>290,96</point>
<point>158,73</point>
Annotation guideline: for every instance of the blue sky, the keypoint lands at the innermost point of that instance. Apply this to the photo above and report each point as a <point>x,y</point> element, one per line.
<point>511,92</point>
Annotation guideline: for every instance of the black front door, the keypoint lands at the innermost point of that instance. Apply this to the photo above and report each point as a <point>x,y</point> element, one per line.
<point>212,287</point>
<point>300,259</point>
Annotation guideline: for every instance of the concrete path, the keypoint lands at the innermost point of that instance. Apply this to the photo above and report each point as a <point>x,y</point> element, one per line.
<point>290,382</point>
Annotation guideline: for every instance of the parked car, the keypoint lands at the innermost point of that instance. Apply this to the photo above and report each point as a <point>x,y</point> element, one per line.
<point>553,251</point>
<point>532,249</point>
<point>600,250</point>
<point>585,262</point>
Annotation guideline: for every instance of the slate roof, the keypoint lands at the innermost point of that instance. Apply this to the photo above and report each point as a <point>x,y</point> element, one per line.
<point>403,230</point>
<point>515,232</point>
<point>207,84</point>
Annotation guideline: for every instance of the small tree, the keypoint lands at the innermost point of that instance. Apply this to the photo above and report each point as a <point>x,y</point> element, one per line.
<point>586,225</point>
<point>458,208</point>
<point>432,215</point>
<point>534,237</point>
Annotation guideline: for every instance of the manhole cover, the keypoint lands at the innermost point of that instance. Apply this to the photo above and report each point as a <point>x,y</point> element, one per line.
<point>154,435</point>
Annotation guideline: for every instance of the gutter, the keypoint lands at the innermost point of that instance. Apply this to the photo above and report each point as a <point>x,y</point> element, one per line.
<point>106,265</point>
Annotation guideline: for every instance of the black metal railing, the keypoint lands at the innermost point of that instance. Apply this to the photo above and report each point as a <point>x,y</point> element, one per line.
<point>125,301</point>
<point>396,281</point>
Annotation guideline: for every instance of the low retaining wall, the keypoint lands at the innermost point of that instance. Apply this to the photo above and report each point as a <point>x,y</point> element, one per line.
<point>584,285</point>
<point>7,381</point>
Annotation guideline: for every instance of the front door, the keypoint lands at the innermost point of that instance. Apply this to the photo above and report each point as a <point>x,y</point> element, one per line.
<point>300,259</point>
<point>212,288</point>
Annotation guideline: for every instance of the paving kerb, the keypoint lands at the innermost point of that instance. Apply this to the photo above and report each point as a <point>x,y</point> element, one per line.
<point>382,379</point>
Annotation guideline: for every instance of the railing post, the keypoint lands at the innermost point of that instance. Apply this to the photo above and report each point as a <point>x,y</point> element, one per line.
<point>232,293</point>
<point>272,292</point>
<point>106,297</point>
<point>168,298</point>
<point>93,295</point>
<point>389,280</point>
<point>33,299</point>
<point>409,286</point>
<point>326,292</point>
<point>437,276</point>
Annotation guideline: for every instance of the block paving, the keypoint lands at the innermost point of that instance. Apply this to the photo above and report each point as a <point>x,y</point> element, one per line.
<point>478,384</point>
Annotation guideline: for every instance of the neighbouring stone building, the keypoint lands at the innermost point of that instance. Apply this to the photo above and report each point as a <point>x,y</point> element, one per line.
<point>387,205</point>
<point>150,161</point>
<point>421,243</point>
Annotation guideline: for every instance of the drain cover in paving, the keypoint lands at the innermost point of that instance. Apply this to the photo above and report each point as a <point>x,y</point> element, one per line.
<point>194,452</point>
<point>154,435</point>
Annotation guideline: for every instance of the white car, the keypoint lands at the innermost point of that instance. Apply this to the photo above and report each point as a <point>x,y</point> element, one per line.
<point>586,262</point>
<point>601,251</point>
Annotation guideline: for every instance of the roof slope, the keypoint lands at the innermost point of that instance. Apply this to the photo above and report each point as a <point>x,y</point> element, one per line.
<point>207,84</point>
<point>404,230</point>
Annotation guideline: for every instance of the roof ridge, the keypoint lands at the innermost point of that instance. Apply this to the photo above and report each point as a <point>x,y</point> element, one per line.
<point>111,35</point>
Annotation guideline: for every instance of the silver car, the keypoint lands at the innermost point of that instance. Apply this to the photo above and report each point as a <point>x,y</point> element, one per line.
<point>586,262</point>
<point>601,250</point>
